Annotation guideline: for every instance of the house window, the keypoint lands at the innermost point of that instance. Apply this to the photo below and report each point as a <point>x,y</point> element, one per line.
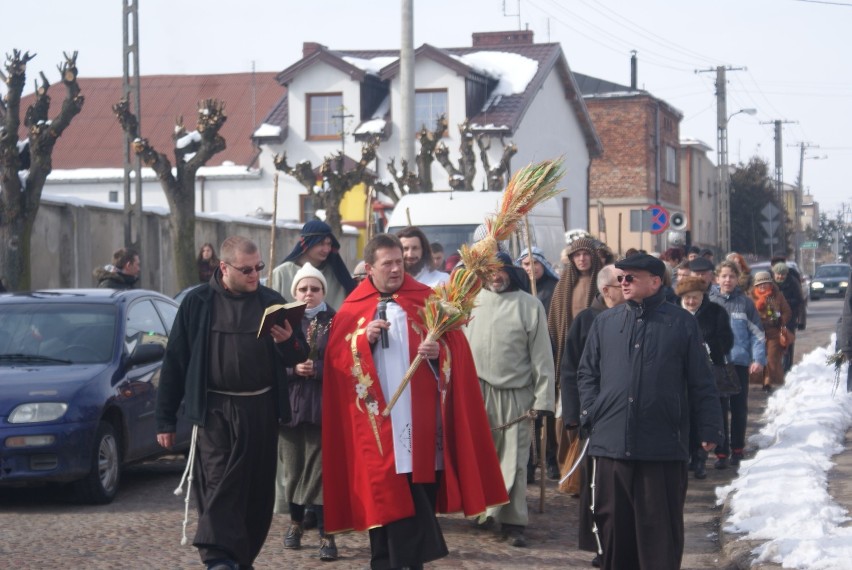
<point>671,164</point>
<point>113,196</point>
<point>428,106</point>
<point>322,123</point>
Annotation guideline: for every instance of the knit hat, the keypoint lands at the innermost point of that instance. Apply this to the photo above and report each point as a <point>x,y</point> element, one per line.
<point>360,270</point>
<point>762,277</point>
<point>537,255</point>
<point>583,243</point>
<point>690,284</point>
<point>780,268</point>
<point>308,270</point>
<point>573,235</point>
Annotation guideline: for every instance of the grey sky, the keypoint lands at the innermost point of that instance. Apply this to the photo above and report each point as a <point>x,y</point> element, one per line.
<point>798,61</point>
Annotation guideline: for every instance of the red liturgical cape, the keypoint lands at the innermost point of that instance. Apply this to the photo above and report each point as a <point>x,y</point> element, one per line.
<point>361,488</point>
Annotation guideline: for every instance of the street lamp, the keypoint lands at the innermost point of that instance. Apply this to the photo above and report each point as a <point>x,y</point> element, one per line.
<point>725,176</point>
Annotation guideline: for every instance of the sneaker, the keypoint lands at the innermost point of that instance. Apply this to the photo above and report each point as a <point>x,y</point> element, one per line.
<point>721,463</point>
<point>736,457</point>
<point>293,538</point>
<point>310,520</point>
<point>328,549</point>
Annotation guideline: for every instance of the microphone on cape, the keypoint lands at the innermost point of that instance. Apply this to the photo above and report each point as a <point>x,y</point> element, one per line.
<point>382,309</point>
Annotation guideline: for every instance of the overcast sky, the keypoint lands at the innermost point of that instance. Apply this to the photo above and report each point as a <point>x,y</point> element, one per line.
<point>799,66</point>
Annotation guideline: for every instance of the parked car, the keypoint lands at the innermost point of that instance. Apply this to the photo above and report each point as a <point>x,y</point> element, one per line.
<point>79,371</point>
<point>803,310</point>
<point>830,279</point>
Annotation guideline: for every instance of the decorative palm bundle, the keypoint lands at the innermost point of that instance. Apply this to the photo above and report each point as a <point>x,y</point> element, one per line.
<point>449,306</point>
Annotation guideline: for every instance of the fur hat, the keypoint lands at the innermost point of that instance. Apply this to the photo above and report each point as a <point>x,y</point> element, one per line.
<point>781,268</point>
<point>308,270</point>
<point>689,285</point>
<point>583,243</point>
<point>762,277</point>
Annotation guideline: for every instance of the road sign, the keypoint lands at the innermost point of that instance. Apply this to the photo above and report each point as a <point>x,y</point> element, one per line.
<point>659,219</point>
<point>770,211</point>
<point>809,245</point>
<point>773,240</point>
<point>770,227</point>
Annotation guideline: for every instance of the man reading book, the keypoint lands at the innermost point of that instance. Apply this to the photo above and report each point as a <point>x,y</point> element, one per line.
<point>233,385</point>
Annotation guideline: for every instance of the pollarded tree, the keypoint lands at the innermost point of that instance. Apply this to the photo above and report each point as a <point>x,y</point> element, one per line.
<point>192,151</point>
<point>25,164</point>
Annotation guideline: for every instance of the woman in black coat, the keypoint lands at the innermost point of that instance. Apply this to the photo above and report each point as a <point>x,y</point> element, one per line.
<point>715,325</point>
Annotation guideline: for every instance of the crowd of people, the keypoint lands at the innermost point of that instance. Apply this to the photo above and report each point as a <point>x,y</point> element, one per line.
<point>644,362</point>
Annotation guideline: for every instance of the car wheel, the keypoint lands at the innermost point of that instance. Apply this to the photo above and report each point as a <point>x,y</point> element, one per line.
<point>100,486</point>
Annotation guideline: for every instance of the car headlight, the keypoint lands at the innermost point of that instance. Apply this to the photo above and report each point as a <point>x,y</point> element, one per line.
<point>37,412</point>
<point>844,283</point>
<point>817,285</point>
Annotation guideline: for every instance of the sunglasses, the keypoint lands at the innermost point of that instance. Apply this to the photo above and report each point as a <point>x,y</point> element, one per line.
<point>626,278</point>
<point>312,289</point>
<point>248,270</point>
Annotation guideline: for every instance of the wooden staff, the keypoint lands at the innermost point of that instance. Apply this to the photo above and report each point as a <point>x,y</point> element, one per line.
<point>274,218</point>
<point>543,448</point>
<point>368,214</point>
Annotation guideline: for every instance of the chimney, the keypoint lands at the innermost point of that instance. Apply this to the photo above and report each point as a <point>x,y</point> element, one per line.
<point>309,48</point>
<point>513,38</point>
<point>634,72</point>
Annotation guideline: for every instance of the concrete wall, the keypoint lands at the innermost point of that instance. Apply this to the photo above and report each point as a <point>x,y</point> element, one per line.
<point>72,237</point>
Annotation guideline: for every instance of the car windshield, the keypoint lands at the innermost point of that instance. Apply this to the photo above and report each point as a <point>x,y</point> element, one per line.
<point>832,271</point>
<point>54,332</point>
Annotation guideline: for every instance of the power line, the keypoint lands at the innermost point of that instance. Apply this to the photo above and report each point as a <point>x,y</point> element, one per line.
<point>826,2</point>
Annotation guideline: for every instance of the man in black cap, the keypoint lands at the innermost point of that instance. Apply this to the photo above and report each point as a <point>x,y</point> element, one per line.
<point>703,267</point>
<point>318,246</point>
<point>643,371</point>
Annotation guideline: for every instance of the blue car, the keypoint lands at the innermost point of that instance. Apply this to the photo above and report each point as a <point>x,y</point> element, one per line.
<point>79,371</point>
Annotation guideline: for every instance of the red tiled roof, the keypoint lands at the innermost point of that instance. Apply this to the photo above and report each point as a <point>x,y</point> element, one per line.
<point>94,138</point>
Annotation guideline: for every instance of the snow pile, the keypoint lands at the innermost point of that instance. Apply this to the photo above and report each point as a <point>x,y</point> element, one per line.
<point>372,66</point>
<point>513,71</point>
<point>781,496</point>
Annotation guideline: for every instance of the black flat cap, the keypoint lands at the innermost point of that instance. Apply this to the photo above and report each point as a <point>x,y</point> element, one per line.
<point>701,264</point>
<point>643,262</point>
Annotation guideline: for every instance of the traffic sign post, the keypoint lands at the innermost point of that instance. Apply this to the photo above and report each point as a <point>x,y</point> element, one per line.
<point>659,219</point>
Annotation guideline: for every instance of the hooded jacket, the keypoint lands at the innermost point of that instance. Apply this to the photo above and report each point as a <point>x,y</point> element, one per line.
<point>109,277</point>
<point>643,369</point>
<point>749,340</point>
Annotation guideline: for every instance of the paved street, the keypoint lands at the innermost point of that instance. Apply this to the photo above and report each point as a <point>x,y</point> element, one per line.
<point>142,528</point>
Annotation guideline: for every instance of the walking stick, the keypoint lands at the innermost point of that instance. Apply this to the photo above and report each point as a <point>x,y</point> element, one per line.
<point>272,240</point>
<point>543,448</point>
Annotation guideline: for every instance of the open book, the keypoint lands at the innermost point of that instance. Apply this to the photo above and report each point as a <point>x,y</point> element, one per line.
<point>277,314</point>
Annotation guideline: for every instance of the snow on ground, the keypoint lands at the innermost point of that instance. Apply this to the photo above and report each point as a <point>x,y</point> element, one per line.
<point>780,497</point>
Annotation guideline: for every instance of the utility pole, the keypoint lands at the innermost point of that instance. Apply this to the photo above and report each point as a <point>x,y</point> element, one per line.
<point>722,153</point>
<point>779,174</point>
<point>134,224</point>
<point>406,83</point>
<point>797,216</point>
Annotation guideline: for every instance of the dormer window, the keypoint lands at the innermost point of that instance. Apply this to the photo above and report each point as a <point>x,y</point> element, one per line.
<point>429,104</point>
<point>321,111</point>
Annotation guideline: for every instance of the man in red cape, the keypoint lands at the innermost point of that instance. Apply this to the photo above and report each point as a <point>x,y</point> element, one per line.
<point>390,474</point>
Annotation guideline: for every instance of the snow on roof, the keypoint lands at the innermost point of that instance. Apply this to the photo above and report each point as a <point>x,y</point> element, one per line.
<point>513,71</point>
<point>373,65</point>
<point>267,130</point>
<point>373,126</point>
<point>113,174</point>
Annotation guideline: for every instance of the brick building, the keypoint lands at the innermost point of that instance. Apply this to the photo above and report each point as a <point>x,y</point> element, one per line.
<point>639,166</point>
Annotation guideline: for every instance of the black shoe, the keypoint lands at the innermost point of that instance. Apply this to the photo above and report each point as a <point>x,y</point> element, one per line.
<point>328,549</point>
<point>721,463</point>
<point>691,465</point>
<point>484,524</point>
<point>700,470</point>
<point>293,538</point>
<point>310,520</point>
<point>530,476</point>
<point>736,458</point>
<point>767,388</point>
<point>596,561</point>
<point>553,471</point>
<point>222,564</point>
<point>515,535</point>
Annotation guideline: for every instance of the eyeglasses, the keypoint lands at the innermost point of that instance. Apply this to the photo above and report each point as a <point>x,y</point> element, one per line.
<point>612,285</point>
<point>248,270</point>
<point>312,289</point>
<point>626,278</point>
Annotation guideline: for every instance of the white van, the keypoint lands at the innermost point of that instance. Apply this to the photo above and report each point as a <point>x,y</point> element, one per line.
<point>450,218</point>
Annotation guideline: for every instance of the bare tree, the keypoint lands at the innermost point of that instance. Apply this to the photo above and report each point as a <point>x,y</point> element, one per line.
<point>461,176</point>
<point>336,179</point>
<point>496,175</point>
<point>192,151</point>
<point>24,165</point>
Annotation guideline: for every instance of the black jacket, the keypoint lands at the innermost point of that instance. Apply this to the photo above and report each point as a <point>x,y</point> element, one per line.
<point>791,288</point>
<point>306,393</point>
<point>185,366</point>
<point>115,279</point>
<point>715,325</point>
<point>643,369</point>
<point>577,335</point>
